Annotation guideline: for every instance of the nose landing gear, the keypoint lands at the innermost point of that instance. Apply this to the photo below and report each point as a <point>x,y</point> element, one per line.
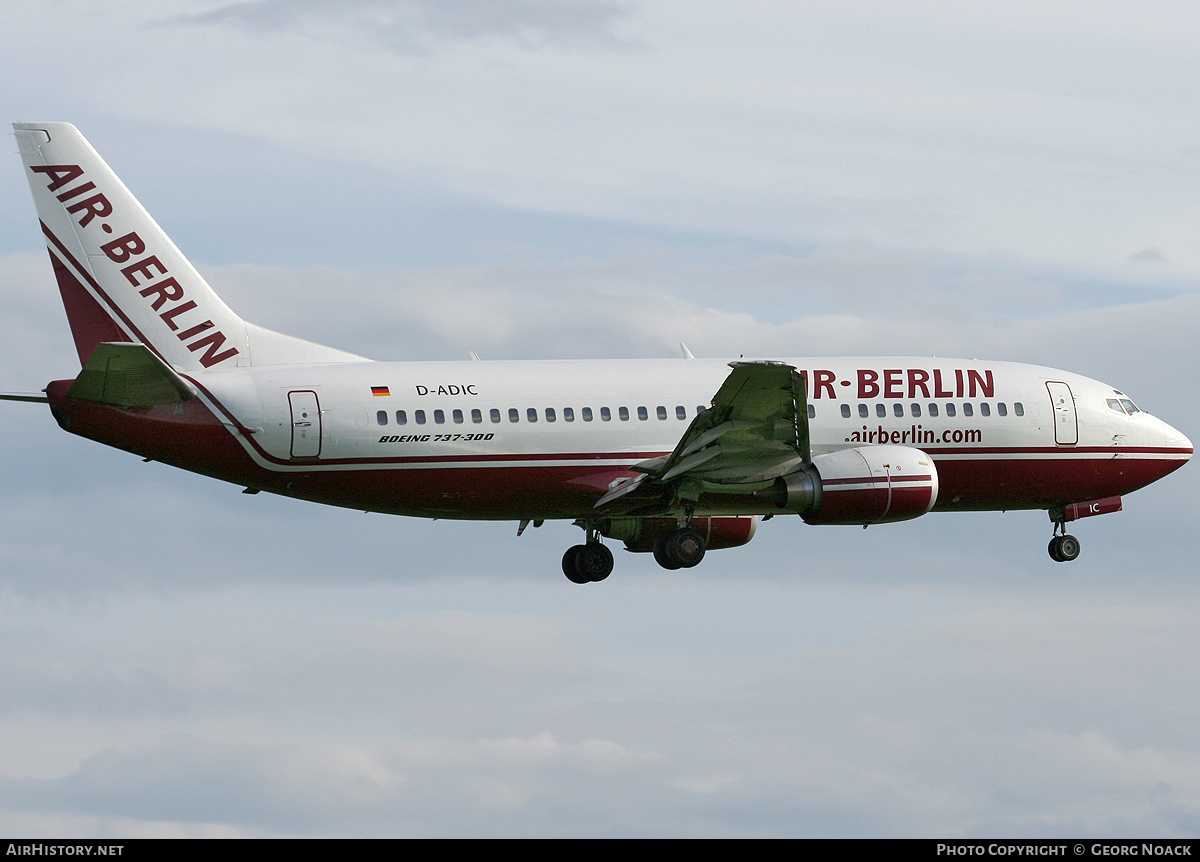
<point>1062,548</point>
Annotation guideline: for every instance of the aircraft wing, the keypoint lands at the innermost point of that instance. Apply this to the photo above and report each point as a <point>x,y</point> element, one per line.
<point>129,375</point>
<point>755,432</point>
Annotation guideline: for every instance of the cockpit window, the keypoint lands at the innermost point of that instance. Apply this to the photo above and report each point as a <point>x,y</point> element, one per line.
<point>1123,405</point>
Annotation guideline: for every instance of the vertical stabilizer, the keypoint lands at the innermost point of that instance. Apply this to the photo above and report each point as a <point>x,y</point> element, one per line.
<point>123,280</point>
<point>121,277</point>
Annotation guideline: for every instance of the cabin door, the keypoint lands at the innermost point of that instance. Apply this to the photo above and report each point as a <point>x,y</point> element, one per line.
<point>306,424</point>
<point>1066,424</point>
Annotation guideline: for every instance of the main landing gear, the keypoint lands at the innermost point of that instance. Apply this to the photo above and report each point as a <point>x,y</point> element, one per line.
<point>679,549</point>
<point>583,564</point>
<point>1063,548</point>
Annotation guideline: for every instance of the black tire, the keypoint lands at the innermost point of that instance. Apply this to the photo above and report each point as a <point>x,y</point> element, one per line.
<point>1068,548</point>
<point>594,561</point>
<point>1053,550</point>
<point>679,549</point>
<point>570,565</point>
<point>687,546</point>
<point>662,556</point>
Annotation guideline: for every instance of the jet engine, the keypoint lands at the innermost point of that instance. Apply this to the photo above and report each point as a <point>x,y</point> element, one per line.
<point>867,485</point>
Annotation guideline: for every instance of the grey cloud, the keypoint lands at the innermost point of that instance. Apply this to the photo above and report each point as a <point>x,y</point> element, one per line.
<point>802,710</point>
<point>409,26</point>
<point>173,648</point>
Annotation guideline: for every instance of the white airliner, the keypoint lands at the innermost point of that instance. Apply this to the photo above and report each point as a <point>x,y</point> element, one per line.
<point>672,456</point>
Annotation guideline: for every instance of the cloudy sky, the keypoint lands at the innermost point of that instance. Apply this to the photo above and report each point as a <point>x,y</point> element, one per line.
<point>607,178</point>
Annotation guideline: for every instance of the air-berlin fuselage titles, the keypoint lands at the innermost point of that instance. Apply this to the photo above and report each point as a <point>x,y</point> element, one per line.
<point>673,457</point>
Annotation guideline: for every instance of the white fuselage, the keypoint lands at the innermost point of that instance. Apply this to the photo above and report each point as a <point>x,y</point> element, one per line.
<point>994,429</point>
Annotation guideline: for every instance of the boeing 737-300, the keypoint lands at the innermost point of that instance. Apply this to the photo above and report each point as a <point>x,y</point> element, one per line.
<point>672,457</point>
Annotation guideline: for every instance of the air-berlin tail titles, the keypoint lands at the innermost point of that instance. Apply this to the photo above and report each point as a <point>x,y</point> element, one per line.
<point>139,271</point>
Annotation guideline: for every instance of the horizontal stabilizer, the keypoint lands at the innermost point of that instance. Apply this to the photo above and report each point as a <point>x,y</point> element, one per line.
<point>129,375</point>
<point>36,397</point>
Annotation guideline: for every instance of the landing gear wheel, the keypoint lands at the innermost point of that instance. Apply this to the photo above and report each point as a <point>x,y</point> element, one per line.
<point>594,561</point>
<point>679,549</point>
<point>570,565</point>
<point>687,546</point>
<point>662,555</point>
<point>583,564</point>
<point>1063,549</point>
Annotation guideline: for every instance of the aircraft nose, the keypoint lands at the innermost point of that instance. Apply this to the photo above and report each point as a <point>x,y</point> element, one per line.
<point>1175,439</point>
<point>1172,447</point>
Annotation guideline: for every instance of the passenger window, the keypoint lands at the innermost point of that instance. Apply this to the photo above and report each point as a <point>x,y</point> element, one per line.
<point>568,414</point>
<point>968,410</point>
<point>494,414</point>
<point>700,408</point>
<point>1018,408</point>
<point>476,415</point>
<point>623,412</point>
<point>661,412</point>
<point>550,417</point>
<point>381,417</point>
<point>881,411</point>
<point>916,410</point>
<point>587,414</point>
<point>898,409</point>
<point>933,409</point>
<point>680,413</point>
<point>458,417</point>
<point>812,411</point>
<point>420,415</point>
<point>531,414</point>
<point>950,409</point>
<point>439,417</point>
<point>845,411</point>
<point>643,414</point>
<point>1001,408</point>
<point>514,415</point>
<point>985,409</point>
<point>605,414</point>
<point>863,411</point>
<point>401,417</point>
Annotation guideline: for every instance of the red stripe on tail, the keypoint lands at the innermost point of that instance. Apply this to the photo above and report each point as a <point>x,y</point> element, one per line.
<point>90,323</point>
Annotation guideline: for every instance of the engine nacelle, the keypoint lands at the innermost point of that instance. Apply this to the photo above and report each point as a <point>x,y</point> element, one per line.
<point>639,534</point>
<point>867,485</point>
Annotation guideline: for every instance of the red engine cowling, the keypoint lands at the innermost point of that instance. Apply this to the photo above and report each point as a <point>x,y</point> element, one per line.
<point>639,534</point>
<point>867,485</point>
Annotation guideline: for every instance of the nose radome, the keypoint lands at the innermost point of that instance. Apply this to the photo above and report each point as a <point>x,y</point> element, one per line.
<point>1176,439</point>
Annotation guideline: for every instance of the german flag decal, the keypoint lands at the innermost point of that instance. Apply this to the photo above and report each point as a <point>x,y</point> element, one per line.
<point>380,390</point>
